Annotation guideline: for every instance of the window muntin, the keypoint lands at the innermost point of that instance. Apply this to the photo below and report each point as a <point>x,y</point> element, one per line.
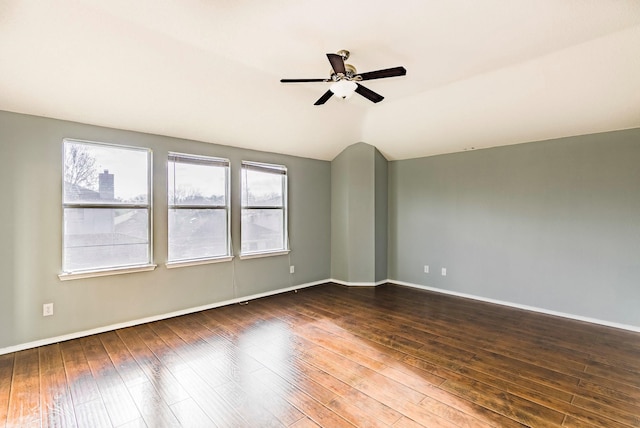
<point>198,208</point>
<point>264,208</point>
<point>106,206</point>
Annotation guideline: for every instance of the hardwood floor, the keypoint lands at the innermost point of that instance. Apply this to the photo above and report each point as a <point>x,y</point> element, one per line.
<point>333,356</point>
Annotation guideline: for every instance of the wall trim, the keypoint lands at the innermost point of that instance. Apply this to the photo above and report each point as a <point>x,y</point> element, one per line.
<point>627,327</point>
<point>84,333</point>
<point>358,284</point>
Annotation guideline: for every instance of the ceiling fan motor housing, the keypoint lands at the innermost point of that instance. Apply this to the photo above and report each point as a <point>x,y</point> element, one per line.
<point>351,74</point>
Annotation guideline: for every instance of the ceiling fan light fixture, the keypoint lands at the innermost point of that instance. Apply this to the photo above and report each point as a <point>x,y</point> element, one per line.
<point>343,88</point>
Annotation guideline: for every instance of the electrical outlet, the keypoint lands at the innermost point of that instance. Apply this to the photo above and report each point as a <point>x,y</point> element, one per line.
<point>292,269</point>
<point>444,271</point>
<point>426,268</point>
<point>47,309</point>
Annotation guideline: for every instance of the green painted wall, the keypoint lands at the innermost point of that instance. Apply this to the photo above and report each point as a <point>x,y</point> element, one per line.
<point>352,205</point>
<point>553,224</point>
<point>359,215</point>
<point>381,219</point>
<point>31,236</point>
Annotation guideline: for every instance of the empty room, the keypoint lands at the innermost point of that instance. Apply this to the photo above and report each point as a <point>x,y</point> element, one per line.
<point>308,214</point>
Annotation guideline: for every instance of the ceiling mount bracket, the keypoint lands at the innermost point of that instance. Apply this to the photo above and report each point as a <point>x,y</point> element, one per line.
<point>344,54</point>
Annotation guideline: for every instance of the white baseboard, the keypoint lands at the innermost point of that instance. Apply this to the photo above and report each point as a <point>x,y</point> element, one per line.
<point>358,284</point>
<point>519,306</point>
<point>76,335</point>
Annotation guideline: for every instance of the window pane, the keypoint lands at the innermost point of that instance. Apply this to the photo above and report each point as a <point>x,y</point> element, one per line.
<point>197,184</point>
<point>262,230</point>
<point>105,174</point>
<point>197,233</point>
<point>97,238</point>
<point>262,189</point>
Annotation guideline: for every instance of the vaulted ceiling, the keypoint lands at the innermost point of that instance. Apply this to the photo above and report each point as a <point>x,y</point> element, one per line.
<point>480,73</point>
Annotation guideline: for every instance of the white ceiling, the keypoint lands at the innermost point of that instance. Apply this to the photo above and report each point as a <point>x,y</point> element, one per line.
<point>480,73</point>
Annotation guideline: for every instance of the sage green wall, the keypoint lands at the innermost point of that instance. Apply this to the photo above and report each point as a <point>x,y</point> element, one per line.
<point>31,231</point>
<point>352,220</point>
<point>553,224</point>
<point>381,218</point>
<point>359,215</point>
<point>340,217</point>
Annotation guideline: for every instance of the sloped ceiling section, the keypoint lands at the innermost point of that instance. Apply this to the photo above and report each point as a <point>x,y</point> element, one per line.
<point>480,72</point>
<point>589,88</point>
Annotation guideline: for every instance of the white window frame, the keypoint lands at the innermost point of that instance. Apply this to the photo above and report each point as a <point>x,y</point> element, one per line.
<point>120,269</point>
<point>211,161</point>
<point>274,169</point>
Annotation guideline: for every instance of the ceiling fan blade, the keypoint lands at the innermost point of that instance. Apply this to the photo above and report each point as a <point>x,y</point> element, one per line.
<point>323,99</point>
<point>387,72</point>
<point>302,80</point>
<point>369,94</point>
<point>337,63</point>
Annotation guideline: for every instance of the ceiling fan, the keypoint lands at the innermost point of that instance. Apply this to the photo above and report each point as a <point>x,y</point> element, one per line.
<point>345,79</point>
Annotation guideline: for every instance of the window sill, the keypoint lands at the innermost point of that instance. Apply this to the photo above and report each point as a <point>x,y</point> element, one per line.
<point>264,254</point>
<point>67,276</point>
<point>186,263</point>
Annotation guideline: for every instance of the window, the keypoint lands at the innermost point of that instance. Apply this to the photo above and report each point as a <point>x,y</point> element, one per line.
<point>106,207</point>
<point>264,209</point>
<point>198,201</point>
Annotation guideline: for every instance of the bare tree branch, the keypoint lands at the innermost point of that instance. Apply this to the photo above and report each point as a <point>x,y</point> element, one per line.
<point>79,166</point>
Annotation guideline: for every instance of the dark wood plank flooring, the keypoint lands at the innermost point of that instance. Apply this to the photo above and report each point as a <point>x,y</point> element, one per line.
<point>333,356</point>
